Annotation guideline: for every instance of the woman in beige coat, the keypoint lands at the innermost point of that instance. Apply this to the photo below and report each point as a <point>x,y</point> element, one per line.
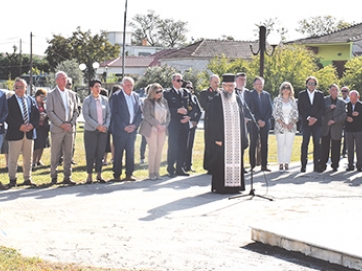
<point>156,117</point>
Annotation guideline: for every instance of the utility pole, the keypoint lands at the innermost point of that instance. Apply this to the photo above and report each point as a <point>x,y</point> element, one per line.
<point>20,56</point>
<point>31,64</point>
<point>124,38</point>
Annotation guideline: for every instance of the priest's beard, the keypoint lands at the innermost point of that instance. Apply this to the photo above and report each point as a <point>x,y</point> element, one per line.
<point>227,95</point>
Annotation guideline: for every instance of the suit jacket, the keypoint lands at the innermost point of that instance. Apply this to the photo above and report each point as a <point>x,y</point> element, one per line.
<point>56,110</point>
<point>262,110</point>
<point>195,112</point>
<point>120,113</point>
<point>306,109</point>
<point>15,118</point>
<point>356,124</point>
<point>176,101</point>
<point>90,113</point>
<point>149,119</point>
<point>338,114</point>
<point>3,111</point>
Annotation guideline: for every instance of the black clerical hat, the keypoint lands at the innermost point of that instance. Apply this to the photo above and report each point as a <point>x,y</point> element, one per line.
<point>228,78</point>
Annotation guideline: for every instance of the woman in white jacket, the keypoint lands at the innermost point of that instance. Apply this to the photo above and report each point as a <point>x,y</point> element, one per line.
<point>285,113</point>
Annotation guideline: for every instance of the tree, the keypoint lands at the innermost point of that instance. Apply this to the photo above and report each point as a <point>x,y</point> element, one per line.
<point>172,33</point>
<point>146,28</point>
<point>352,76</point>
<point>83,47</point>
<point>157,31</point>
<point>71,68</point>
<point>156,74</point>
<point>272,25</point>
<point>320,25</point>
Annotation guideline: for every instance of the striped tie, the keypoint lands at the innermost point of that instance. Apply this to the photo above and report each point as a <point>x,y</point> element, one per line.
<point>25,112</point>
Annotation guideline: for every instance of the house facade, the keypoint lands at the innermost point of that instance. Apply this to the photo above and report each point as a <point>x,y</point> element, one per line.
<point>336,48</point>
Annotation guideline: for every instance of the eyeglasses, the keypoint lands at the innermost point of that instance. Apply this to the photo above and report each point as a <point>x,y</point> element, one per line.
<point>68,85</point>
<point>189,87</point>
<point>19,87</point>
<point>286,87</point>
<point>344,90</point>
<point>179,80</point>
<point>311,84</point>
<point>159,91</point>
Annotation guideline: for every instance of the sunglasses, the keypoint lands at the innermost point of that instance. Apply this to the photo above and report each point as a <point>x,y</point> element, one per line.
<point>159,91</point>
<point>179,80</point>
<point>189,87</point>
<point>311,84</point>
<point>344,90</point>
<point>286,87</point>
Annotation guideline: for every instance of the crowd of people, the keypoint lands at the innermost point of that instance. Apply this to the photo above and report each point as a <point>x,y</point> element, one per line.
<point>235,118</point>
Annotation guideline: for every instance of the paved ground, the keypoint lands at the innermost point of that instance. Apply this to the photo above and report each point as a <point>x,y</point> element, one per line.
<point>177,224</point>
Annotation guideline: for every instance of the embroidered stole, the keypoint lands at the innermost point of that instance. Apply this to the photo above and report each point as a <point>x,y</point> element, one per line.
<point>232,142</point>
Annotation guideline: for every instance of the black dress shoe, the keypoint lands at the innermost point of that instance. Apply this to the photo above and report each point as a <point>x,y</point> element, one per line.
<point>130,178</point>
<point>54,181</point>
<point>334,169</point>
<point>99,179</point>
<point>182,173</point>
<point>265,169</point>
<point>69,181</point>
<point>302,169</point>
<point>350,169</point>
<point>12,183</point>
<point>29,182</point>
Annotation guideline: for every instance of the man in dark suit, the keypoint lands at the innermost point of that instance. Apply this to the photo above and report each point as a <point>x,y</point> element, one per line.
<point>311,110</point>
<point>126,117</point>
<point>354,130</point>
<point>205,99</point>
<point>333,122</point>
<point>261,108</point>
<point>3,115</point>
<point>23,117</point>
<point>178,100</point>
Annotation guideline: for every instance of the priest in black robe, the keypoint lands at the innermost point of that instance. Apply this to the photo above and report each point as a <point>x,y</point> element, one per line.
<point>229,138</point>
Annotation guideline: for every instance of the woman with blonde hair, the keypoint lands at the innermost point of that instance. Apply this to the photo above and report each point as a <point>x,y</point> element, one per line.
<point>156,117</point>
<point>285,113</point>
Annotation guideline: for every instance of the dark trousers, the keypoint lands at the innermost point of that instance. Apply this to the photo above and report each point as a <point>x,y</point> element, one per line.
<point>143,148</point>
<point>315,132</point>
<point>121,144</point>
<point>94,145</point>
<point>354,141</point>
<point>190,145</point>
<point>177,145</point>
<point>332,146</point>
<point>344,149</point>
<point>263,133</point>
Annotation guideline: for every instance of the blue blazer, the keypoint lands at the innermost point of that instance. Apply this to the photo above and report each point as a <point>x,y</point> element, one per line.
<point>120,114</point>
<point>261,110</point>
<point>3,111</point>
<point>15,118</point>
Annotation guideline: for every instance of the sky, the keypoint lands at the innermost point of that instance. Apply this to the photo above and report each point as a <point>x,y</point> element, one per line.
<point>205,19</point>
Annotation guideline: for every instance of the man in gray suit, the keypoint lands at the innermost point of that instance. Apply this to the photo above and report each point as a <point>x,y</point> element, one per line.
<point>62,109</point>
<point>334,117</point>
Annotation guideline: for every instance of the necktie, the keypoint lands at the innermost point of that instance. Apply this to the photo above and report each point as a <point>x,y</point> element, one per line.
<point>25,111</point>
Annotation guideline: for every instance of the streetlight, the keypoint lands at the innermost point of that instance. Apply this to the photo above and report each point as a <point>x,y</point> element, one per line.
<point>89,69</point>
<point>262,49</point>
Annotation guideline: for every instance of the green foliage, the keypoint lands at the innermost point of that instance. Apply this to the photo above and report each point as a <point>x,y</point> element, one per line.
<point>14,65</point>
<point>320,25</point>
<point>291,63</point>
<point>326,77</point>
<point>83,47</point>
<point>352,76</point>
<point>157,31</point>
<point>156,74</point>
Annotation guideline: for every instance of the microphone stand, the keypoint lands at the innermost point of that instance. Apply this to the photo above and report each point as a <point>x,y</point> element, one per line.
<point>252,189</point>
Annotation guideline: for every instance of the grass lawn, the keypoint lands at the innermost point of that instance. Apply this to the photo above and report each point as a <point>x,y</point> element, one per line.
<point>12,260</point>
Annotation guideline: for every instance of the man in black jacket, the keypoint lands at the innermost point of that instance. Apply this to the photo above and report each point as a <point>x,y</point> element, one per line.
<point>23,117</point>
<point>311,110</point>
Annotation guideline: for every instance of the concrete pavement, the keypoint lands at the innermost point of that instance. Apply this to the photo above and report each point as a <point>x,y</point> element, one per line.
<point>178,224</point>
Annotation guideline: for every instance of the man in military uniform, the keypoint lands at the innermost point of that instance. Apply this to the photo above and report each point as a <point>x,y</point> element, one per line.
<point>205,99</point>
<point>179,103</point>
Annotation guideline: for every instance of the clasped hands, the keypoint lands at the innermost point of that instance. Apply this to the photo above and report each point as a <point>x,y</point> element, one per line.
<point>26,127</point>
<point>183,111</point>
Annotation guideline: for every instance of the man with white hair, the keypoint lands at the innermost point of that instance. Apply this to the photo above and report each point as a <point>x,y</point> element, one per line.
<point>62,110</point>
<point>228,138</point>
